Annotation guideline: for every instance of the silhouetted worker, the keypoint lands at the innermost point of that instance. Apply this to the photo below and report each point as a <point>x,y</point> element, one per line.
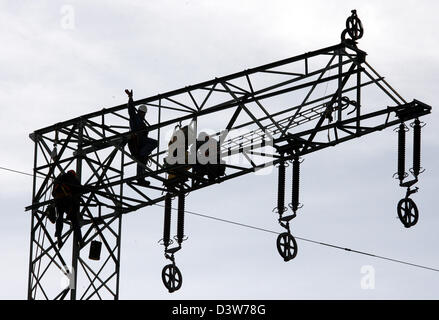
<point>140,145</point>
<point>67,194</point>
<point>212,170</point>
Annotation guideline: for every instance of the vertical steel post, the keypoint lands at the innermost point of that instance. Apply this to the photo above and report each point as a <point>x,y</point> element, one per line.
<point>340,82</point>
<point>75,250</point>
<point>32,233</point>
<point>159,119</point>
<point>118,240</point>
<point>358,98</point>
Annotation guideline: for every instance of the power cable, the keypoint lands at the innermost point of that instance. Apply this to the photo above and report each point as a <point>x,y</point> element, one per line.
<point>16,171</point>
<point>309,240</point>
<point>275,232</point>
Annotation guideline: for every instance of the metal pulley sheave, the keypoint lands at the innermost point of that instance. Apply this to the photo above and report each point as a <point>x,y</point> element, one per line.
<point>354,28</point>
<point>408,212</point>
<point>287,246</point>
<point>172,278</point>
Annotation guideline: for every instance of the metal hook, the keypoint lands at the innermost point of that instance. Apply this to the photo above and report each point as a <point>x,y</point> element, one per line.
<point>406,129</point>
<point>422,123</point>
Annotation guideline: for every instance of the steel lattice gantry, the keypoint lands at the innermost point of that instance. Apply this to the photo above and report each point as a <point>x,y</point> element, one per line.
<point>262,117</point>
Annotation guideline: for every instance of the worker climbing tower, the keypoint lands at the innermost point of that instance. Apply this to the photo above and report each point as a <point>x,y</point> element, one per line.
<point>271,115</point>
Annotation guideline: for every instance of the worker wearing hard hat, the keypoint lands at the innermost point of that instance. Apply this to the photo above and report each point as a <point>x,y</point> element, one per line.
<point>140,145</point>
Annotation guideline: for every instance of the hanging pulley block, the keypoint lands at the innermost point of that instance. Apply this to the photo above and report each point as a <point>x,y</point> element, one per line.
<point>408,212</point>
<point>172,278</point>
<point>354,26</point>
<point>287,246</point>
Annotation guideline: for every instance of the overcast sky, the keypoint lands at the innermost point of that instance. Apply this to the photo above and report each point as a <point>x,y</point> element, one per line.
<point>53,71</point>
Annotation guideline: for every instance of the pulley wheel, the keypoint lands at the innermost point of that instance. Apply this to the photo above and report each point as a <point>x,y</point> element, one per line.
<point>354,27</point>
<point>172,278</point>
<point>408,212</point>
<point>287,246</point>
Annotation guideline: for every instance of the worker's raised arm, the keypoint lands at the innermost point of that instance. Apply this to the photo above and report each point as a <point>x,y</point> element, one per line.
<point>131,109</point>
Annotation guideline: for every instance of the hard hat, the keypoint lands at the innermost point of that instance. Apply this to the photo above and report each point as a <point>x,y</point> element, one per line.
<point>143,108</point>
<point>72,172</point>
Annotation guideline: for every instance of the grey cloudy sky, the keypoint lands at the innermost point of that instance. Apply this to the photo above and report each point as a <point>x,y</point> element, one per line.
<point>50,74</point>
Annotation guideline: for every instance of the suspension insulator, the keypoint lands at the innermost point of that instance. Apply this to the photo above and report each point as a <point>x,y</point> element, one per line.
<point>416,148</point>
<point>180,220</point>
<point>167,222</point>
<point>295,187</point>
<point>401,152</point>
<point>281,188</point>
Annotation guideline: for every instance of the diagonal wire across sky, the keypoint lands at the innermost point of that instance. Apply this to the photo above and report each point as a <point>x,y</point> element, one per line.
<point>274,232</point>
